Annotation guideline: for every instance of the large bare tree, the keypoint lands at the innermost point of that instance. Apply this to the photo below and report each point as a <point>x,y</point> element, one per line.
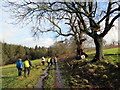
<point>89,17</point>
<point>41,14</point>
<point>95,18</point>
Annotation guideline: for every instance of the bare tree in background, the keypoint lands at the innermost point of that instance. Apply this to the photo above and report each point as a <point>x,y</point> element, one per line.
<point>77,33</point>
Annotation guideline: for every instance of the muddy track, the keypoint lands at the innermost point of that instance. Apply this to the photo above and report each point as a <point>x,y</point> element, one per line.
<point>58,81</point>
<point>40,83</point>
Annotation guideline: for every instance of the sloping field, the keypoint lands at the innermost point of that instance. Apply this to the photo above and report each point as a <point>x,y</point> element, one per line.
<point>10,79</point>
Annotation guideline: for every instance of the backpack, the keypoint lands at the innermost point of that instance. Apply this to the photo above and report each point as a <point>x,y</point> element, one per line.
<point>48,60</point>
<point>19,64</point>
<point>26,63</point>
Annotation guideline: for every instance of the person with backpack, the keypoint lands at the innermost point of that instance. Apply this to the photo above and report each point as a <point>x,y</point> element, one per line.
<point>27,65</point>
<point>19,65</point>
<point>48,61</point>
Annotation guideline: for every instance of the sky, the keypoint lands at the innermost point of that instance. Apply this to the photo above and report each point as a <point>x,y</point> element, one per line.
<point>16,34</point>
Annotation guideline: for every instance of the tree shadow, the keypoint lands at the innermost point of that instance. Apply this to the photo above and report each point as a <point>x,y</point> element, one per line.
<point>8,77</point>
<point>110,54</point>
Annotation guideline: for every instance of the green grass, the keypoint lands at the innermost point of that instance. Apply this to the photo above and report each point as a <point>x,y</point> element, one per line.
<point>107,51</point>
<point>10,79</point>
<point>109,55</point>
<point>113,58</point>
<point>111,51</point>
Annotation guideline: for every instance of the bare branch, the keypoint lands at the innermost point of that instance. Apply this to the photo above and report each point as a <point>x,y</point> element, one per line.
<point>107,29</point>
<point>116,9</point>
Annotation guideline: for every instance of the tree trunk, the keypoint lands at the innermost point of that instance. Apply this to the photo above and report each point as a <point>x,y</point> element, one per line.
<point>79,42</point>
<point>80,50</point>
<point>99,49</point>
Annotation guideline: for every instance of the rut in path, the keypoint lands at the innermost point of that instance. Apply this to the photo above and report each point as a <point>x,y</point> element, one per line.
<point>58,79</point>
<point>59,83</point>
<point>40,82</point>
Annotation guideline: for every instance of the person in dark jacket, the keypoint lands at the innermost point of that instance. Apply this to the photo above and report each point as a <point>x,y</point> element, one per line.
<point>51,61</point>
<point>19,65</point>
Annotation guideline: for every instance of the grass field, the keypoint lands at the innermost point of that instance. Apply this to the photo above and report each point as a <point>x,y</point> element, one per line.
<point>110,55</point>
<point>10,79</point>
<point>107,51</point>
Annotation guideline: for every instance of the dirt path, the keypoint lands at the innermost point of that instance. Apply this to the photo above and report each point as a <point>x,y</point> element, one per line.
<point>42,77</point>
<point>59,83</point>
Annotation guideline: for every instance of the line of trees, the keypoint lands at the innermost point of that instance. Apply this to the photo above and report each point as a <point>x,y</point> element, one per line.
<point>10,53</point>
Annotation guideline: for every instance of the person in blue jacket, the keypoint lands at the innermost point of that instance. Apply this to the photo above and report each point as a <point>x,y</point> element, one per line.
<point>19,65</point>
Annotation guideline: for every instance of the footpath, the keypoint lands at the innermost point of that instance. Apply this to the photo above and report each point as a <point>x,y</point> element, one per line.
<point>58,82</point>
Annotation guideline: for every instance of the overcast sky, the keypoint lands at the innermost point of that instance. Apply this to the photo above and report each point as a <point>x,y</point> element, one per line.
<point>15,34</point>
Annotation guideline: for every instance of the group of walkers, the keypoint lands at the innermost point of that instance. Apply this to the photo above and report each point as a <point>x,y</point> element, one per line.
<point>50,61</point>
<point>26,64</point>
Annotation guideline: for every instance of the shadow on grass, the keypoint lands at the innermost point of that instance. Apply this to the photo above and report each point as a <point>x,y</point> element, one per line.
<point>9,77</point>
<point>110,54</point>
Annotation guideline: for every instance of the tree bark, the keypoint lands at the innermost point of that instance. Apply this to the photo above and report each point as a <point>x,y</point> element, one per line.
<point>99,49</point>
<point>80,49</point>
